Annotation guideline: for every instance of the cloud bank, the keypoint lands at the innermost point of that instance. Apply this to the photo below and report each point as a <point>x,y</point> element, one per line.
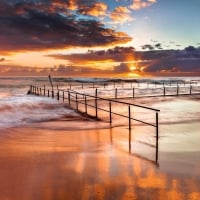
<point>160,62</point>
<point>53,24</point>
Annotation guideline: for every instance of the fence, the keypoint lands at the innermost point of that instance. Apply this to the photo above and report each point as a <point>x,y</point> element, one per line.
<point>118,93</point>
<point>128,84</point>
<point>120,89</point>
<point>82,102</point>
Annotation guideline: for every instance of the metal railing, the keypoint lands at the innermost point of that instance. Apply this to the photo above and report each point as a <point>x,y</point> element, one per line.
<point>76,99</point>
<point>135,92</point>
<point>128,84</point>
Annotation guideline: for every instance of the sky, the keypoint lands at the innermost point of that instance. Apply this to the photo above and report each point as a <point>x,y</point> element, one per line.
<point>128,38</point>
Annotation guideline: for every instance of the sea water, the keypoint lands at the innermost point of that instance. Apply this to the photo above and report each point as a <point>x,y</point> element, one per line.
<point>19,109</point>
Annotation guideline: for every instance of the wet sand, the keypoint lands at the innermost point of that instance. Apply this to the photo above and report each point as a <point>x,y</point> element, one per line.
<point>59,164</point>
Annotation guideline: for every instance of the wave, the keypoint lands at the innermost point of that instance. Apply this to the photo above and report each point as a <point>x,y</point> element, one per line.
<point>21,110</point>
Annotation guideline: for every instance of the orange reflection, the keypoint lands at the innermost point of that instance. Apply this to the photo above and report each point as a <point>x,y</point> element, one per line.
<point>61,164</point>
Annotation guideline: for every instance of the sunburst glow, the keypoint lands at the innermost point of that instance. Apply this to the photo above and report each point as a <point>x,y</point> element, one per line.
<point>133,67</point>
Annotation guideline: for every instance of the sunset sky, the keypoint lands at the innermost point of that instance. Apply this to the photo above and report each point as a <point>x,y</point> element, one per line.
<point>128,38</point>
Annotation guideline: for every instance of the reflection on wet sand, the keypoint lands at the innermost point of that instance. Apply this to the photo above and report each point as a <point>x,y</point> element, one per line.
<point>88,164</point>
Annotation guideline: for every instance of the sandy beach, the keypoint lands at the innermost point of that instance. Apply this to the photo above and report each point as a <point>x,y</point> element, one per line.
<point>44,162</point>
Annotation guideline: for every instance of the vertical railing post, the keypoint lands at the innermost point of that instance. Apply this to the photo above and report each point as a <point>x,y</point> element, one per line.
<point>157,137</point>
<point>96,106</point>
<point>69,101</point>
<point>110,112</point>
<point>190,90</point>
<point>76,102</point>
<point>85,104</point>
<point>44,91</point>
<point>104,85</point>
<point>48,93</point>
<point>129,117</point>
<point>129,139</point>
<point>115,93</point>
<point>133,92</point>
<point>164,91</point>
<point>63,96</point>
<point>82,85</point>
<point>58,95</point>
<point>52,94</point>
<point>70,86</point>
<point>40,91</point>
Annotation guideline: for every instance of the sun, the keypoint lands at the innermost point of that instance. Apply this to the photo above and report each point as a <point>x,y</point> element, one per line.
<point>132,68</point>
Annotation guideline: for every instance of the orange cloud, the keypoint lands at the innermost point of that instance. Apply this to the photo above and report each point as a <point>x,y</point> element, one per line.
<point>139,4</point>
<point>97,9</point>
<point>121,14</point>
<point>58,4</point>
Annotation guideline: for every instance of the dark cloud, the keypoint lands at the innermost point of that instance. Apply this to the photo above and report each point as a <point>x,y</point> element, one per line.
<point>39,25</point>
<point>158,46</point>
<point>152,47</point>
<point>175,66</point>
<point>155,61</point>
<point>190,48</point>
<point>122,68</point>
<point>10,70</point>
<point>118,54</point>
<point>147,47</point>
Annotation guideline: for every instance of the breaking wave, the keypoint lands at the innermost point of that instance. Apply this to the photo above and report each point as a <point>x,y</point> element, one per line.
<point>23,109</point>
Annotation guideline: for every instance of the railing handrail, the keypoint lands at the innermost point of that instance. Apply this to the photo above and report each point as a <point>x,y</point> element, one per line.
<point>105,99</point>
<point>77,100</point>
<point>116,101</point>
